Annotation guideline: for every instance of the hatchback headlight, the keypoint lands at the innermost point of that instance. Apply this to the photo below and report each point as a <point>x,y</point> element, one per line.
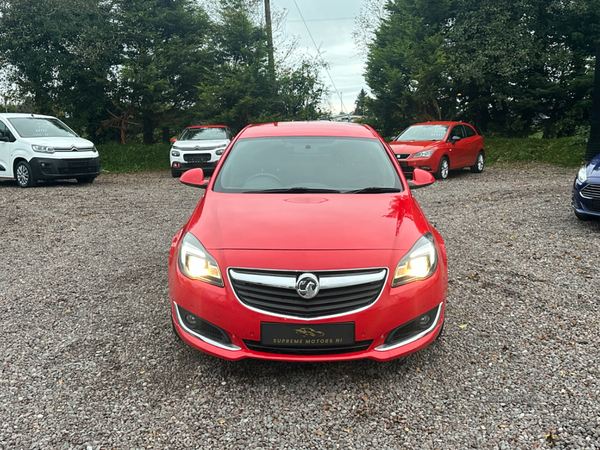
<point>94,149</point>
<point>196,263</point>
<point>582,174</point>
<point>423,154</point>
<point>419,263</point>
<point>175,153</point>
<point>42,149</point>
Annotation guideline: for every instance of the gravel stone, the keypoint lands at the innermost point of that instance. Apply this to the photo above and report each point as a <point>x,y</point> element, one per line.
<point>89,360</point>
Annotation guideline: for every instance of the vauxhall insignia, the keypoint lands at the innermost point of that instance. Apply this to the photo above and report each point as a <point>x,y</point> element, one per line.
<point>307,286</point>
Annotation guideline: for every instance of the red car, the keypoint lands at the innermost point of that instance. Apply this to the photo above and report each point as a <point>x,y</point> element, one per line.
<point>308,246</point>
<point>439,147</point>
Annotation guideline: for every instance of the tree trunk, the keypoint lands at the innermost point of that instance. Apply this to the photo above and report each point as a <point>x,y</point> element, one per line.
<point>148,127</point>
<point>593,146</point>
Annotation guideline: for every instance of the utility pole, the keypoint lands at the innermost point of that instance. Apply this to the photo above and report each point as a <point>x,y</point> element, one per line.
<point>593,145</point>
<point>270,39</point>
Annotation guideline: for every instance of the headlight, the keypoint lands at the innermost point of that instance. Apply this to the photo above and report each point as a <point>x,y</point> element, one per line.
<point>582,174</point>
<point>196,263</point>
<point>94,149</point>
<point>424,154</point>
<point>42,149</point>
<point>419,263</point>
<point>175,153</point>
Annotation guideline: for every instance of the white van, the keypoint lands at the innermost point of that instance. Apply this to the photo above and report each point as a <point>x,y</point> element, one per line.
<point>35,147</point>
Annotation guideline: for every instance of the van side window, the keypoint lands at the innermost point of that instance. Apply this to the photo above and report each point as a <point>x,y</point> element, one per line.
<point>5,132</point>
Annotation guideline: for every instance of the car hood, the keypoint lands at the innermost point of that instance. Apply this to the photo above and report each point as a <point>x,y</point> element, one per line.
<point>412,147</point>
<point>308,221</point>
<point>593,167</point>
<point>200,144</point>
<point>59,142</point>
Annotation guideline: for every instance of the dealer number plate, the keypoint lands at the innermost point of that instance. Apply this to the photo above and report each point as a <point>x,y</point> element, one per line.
<point>307,335</point>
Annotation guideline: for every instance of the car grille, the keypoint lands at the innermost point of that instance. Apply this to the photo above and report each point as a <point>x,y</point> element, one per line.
<point>73,149</point>
<point>359,346</point>
<point>202,157</point>
<point>79,167</point>
<point>402,155</point>
<point>591,191</point>
<point>274,292</point>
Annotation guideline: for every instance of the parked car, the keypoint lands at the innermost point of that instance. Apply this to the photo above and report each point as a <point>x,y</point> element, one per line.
<point>307,245</point>
<point>34,147</point>
<point>199,146</point>
<point>439,147</point>
<point>586,191</point>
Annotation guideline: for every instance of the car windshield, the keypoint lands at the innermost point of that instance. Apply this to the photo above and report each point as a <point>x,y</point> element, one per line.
<point>308,164</point>
<point>32,127</point>
<point>203,134</point>
<point>423,133</point>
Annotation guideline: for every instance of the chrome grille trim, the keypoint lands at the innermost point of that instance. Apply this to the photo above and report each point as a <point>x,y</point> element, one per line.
<point>71,149</point>
<point>256,289</point>
<point>591,191</point>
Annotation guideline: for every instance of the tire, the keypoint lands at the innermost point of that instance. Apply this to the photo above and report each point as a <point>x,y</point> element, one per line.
<point>443,168</point>
<point>479,163</point>
<point>175,173</point>
<point>86,180</point>
<point>24,175</point>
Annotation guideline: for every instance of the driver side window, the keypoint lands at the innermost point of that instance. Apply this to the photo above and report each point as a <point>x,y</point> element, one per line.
<point>5,132</point>
<point>457,130</point>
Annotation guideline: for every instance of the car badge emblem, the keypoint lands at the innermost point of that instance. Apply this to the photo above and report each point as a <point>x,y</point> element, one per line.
<point>197,147</point>
<point>307,286</point>
<point>74,149</point>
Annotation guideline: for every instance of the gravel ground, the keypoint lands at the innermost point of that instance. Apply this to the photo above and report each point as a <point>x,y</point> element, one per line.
<point>89,360</point>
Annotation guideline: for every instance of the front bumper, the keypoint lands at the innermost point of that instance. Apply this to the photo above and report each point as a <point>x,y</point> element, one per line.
<point>409,165</point>
<point>585,205</point>
<point>55,168</point>
<point>220,307</point>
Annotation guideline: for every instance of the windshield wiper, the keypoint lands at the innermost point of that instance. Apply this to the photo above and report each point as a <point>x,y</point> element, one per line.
<point>293,190</point>
<point>374,190</point>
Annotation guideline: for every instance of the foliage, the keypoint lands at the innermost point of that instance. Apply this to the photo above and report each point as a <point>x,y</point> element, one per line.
<point>505,65</point>
<point>116,158</point>
<point>566,151</point>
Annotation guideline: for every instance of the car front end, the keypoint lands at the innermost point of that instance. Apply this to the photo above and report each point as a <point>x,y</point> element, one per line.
<point>60,158</point>
<point>586,190</point>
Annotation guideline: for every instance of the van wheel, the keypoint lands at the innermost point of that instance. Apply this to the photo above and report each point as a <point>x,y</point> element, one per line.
<point>24,175</point>
<point>85,180</point>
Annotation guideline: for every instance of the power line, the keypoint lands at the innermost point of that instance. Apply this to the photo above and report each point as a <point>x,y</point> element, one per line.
<point>319,55</point>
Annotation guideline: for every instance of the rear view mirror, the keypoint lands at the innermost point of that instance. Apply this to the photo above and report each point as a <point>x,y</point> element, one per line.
<point>421,178</point>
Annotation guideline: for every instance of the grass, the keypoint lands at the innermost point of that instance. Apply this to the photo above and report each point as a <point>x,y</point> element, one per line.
<point>118,158</point>
<point>566,152</point>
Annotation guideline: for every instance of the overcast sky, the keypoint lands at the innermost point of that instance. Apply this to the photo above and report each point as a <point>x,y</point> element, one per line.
<point>331,23</point>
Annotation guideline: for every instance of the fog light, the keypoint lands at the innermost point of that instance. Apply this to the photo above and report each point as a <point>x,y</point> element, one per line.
<point>425,168</point>
<point>424,320</point>
<point>176,165</point>
<point>191,320</point>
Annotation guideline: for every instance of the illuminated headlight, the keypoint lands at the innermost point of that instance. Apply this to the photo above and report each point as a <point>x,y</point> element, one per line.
<point>418,264</point>
<point>423,154</point>
<point>42,149</point>
<point>175,153</point>
<point>582,174</point>
<point>196,263</point>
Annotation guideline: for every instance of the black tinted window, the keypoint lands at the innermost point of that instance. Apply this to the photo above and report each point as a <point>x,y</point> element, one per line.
<point>470,131</point>
<point>457,130</point>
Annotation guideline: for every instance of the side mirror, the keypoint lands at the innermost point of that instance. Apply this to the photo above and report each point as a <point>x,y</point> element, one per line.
<point>193,177</point>
<point>173,140</point>
<point>421,178</point>
<point>4,139</point>
<point>455,139</point>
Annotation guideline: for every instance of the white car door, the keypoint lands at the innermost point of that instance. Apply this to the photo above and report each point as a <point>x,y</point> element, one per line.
<point>5,151</point>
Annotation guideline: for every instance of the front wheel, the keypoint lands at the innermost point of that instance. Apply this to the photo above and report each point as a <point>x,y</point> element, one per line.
<point>24,175</point>
<point>443,168</point>
<point>479,163</point>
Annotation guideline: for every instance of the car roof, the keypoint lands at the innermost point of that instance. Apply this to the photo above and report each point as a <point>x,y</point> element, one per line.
<point>22,115</point>
<point>440,122</point>
<point>207,126</point>
<point>316,128</point>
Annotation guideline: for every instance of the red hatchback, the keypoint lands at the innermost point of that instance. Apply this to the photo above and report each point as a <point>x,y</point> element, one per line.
<point>308,246</point>
<point>439,147</point>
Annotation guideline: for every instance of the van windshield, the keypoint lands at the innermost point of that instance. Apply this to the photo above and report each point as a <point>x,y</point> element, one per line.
<point>32,127</point>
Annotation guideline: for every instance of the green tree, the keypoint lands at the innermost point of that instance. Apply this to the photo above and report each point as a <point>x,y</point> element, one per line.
<point>165,56</point>
<point>360,103</point>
